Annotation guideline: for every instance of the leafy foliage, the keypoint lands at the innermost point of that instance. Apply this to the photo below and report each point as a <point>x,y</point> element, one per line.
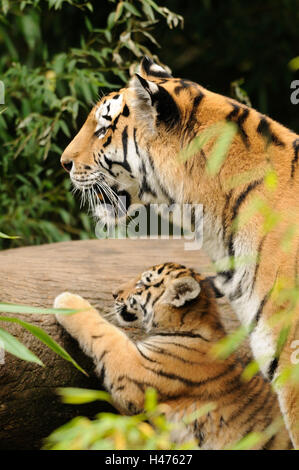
<point>13,346</point>
<point>147,431</point>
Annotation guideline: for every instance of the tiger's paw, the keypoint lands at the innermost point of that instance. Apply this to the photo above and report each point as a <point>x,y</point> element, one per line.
<point>72,302</point>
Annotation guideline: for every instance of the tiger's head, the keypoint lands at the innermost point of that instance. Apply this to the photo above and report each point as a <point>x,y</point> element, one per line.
<point>127,148</point>
<point>169,297</point>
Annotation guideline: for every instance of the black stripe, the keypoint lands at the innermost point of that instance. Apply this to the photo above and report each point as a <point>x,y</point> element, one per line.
<point>144,187</point>
<point>234,113</point>
<point>108,141</point>
<point>158,284</point>
<point>189,382</point>
<point>239,119</point>
<point>256,411</point>
<point>243,195</point>
<point>268,444</point>
<point>157,298</point>
<point>259,251</point>
<point>296,157</point>
<point>126,111</point>
<point>238,291</point>
<point>228,197</point>
<point>142,384</point>
<point>209,396</point>
<point>249,398</point>
<point>264,129</point>
<point>114,124</point>
<point>179,345</point>
<point>102,374</point>
<point>162,189</point>
<point>147,65</point>
<point>235,209</point>
<point>183,85</point>
<point>135,141</point>
<point>159,271</point>
<point>165,352</point>
<point>260,309</point>
<point>167,109</point>
<point>108,163</point>
<point>102,356</point>
<point>189,130</point>
<point>272,368</point>
<point>183,334</point>
<point>124,138</point>
<point>146,357</point>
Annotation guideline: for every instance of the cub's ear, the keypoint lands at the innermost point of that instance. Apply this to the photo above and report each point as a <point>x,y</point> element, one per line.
<point>181,291</point>
<point>148,68</point>
<point>153,104</point>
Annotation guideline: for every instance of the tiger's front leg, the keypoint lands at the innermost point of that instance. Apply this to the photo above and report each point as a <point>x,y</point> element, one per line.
<point>114,355</point>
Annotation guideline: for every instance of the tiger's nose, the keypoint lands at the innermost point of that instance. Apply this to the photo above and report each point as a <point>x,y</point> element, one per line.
<point>67,165</point>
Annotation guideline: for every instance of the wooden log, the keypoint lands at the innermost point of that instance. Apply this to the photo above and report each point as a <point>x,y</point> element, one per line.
<point>29,408</point>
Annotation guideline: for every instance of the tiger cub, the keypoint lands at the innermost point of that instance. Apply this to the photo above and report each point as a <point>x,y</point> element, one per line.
<point>175,312</point>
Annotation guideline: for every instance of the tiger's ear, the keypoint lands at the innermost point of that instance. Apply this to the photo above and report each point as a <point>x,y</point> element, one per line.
<point>180,291</point>
<point>153,101</point>
<point>148,68</point>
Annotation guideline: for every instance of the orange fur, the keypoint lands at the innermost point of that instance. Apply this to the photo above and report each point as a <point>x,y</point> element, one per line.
<point>139,146</point>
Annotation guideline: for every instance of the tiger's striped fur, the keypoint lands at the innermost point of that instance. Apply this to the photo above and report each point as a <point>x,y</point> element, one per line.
<point>175,313</point>
<point>130,145</point>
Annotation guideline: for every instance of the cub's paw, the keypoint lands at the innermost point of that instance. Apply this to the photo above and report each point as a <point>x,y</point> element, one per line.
<point>69,301</point>
<point>72,301</point>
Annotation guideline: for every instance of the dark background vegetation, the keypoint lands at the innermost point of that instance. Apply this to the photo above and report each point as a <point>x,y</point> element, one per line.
<point>58,56</point>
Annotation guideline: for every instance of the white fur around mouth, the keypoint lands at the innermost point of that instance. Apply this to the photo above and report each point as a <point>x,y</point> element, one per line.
<point>108,214</point>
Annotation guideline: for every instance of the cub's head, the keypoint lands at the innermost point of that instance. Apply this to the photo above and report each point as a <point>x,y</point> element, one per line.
<point>126,152</point>
<point>169,297</point>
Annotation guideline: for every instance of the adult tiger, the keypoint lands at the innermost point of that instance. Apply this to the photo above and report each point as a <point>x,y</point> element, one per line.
<point>129,145</point>
<point>173,314</point>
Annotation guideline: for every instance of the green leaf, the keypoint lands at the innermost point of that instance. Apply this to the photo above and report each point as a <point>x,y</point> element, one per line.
<point>294,64</point>
<point>118,11</point>
<point>230,343</point>
<point>12,308</point>
<point>77,396</point>
<point>13,346</point>
<point>111,20</point>
<point>44,338</point>
<point>3,235</point>
<point>5,6</point>
<point>131,9</point>
<point>221,148</point>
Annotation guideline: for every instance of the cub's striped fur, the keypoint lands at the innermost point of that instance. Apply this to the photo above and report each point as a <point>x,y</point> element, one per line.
<point>130,144</point>
<point>174,315</point>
